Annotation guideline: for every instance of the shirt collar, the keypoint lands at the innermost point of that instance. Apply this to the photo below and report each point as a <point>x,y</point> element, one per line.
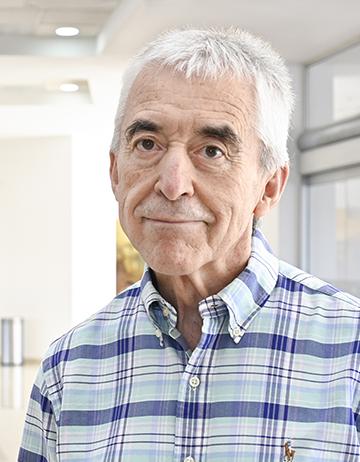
<point>157,308</point>
<point>248,292</point>
<point>242,298</point>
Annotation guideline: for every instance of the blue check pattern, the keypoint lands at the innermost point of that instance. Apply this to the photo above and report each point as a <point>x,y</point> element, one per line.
<point>278,361</point>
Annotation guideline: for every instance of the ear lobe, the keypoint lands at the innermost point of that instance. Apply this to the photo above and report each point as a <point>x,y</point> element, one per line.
<point>113,170</point>
<point>272,192</point>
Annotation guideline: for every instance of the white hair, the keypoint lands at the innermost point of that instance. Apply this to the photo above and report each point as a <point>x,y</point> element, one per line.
<point>212,54</point>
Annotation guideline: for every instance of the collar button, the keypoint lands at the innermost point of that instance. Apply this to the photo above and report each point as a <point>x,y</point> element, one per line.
<point>236,331</point>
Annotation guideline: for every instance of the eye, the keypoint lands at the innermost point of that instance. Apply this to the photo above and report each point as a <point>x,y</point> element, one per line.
<point>146,144</point>
<point>212,152</point>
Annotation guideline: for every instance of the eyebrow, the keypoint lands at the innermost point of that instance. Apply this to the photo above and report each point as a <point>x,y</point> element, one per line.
<point>140,125</point>
<point>223,133</point>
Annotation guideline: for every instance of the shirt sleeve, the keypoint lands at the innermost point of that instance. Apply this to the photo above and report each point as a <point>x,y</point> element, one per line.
<point>40,430</point>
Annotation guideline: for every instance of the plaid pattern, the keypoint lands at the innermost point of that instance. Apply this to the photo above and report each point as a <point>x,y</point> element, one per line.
<point>278,360</point>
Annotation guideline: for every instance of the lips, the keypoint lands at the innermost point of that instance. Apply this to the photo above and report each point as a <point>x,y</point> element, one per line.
<point>173,220</point>
<point>180,212</point>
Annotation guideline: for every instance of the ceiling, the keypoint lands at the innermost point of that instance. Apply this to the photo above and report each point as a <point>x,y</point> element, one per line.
<point>32,57</point>
<point>42,17</point>
<point>302,31</point>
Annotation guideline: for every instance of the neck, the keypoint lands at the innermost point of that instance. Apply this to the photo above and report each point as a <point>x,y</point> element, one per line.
<point>185,291</point>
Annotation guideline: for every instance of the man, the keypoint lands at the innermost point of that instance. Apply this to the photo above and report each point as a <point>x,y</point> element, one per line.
<point>220,352</point>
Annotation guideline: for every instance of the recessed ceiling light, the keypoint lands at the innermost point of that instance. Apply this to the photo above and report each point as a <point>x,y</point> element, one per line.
<point>69,87</point>
<point>67,31</point>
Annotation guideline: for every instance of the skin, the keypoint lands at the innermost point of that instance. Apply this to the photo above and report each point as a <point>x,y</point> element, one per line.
<point>188,182</point>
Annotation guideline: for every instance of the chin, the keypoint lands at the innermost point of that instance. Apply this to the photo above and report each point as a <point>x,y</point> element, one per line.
<point>173,262</point>
<point>171,269</point>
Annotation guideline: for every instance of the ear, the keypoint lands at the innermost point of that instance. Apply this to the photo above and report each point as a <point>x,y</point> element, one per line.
<point>272,191</point>
<point>114,175</point>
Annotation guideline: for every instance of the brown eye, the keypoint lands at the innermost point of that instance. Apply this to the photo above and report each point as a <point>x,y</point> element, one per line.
<point>213,152</point>
<point>146,144</point>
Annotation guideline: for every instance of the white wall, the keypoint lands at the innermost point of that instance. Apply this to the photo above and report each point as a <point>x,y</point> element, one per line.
<point>84,194</point>
<point>35,236</point>
<point>94,216</point>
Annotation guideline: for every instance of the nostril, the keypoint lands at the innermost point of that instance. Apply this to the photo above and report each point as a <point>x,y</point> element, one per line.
<point>175,174</point>
<point>173,188</point>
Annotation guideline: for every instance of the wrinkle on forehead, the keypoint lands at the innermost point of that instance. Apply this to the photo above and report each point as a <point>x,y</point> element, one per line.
<point>231,99</point>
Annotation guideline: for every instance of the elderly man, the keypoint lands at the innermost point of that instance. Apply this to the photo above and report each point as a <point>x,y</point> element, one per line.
<point>221,352</point>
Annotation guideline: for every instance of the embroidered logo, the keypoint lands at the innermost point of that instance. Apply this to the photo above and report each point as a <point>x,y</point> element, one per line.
<point>289,452</point>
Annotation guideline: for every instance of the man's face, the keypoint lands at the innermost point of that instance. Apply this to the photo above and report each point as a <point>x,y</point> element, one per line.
<point>187,177</point>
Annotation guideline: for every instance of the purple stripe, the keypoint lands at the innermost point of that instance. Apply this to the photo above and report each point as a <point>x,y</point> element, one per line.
<point>108,350</point>
<point>250,340</point>
<point>187,410</point>
<point>45,404</point>
<point>27,456</point>
<point>258,293</point>
<point>91,418</point>
<point>293,286</point>
<point>329,289</point>
<point>130,293</point>
<point>291,345</point>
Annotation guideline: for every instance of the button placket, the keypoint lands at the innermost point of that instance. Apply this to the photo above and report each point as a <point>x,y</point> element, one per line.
<point>191,395</point>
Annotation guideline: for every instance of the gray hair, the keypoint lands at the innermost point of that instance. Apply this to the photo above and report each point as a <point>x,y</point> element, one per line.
<point>212,54</point>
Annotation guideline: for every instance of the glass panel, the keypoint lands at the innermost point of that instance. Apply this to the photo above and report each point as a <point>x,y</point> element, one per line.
<point>334,240</point>
<point>333,88</point>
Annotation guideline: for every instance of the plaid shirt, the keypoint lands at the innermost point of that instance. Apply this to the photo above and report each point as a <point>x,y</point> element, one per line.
<point>278,361</point>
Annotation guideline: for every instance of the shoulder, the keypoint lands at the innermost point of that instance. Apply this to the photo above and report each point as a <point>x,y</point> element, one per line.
<point>314,289</point>
<point>92,337</point>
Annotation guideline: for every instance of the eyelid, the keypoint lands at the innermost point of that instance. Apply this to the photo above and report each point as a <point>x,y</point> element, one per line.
<point>215,146</point>
<point>139,139</point>
<point>143,136</point>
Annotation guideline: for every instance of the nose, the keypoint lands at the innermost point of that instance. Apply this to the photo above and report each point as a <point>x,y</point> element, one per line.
<point>175,174</point>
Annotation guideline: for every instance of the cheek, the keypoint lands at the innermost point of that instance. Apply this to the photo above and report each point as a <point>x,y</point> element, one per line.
<point>127,173</point>
<point>134,185</point>
<point>129,180</point>
<point>235,203</point>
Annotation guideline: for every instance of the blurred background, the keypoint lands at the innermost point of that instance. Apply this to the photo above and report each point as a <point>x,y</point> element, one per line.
<point>62,254</point>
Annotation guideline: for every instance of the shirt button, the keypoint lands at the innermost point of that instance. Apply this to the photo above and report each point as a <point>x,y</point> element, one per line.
<point>158,333</point>
<point>194,382</point>
<point>236,331</point>
<point>189,459</point>
<point>166,311</point>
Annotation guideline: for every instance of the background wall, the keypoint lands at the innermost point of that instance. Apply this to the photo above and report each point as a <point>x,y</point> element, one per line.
<point>58,218</point>
<point>290,210</point>
<point>35,238</point>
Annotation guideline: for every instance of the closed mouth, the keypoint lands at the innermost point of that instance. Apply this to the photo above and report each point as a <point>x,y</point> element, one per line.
<point>172,221</point>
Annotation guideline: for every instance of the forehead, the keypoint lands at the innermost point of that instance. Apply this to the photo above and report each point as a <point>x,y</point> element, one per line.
<point>162,93</point>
